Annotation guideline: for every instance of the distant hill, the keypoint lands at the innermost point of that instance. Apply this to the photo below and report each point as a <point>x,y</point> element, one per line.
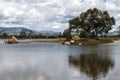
<point>18,30</point>
<point>113,33</point>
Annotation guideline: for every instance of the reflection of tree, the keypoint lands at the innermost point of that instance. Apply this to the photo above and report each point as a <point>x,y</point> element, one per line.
<point>93,65</point>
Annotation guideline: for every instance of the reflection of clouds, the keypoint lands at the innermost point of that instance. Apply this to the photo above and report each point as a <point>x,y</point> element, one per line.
<point>76,75</point>
<point>115,74</point>
<point>33,62</point>
<point>32,67</point>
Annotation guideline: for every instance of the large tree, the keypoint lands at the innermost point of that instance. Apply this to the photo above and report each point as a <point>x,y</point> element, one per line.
<point>93,21</point>
<point>67,34</point>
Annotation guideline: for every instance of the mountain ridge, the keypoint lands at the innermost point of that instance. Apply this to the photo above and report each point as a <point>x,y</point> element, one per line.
<point>18,30</point>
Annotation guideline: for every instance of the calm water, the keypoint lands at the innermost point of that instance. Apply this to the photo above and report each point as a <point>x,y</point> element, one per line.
<point>52,61</point>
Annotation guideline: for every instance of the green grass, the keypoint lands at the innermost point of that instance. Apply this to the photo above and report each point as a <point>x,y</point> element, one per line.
<point>100,41</point>
<point>86,41</point>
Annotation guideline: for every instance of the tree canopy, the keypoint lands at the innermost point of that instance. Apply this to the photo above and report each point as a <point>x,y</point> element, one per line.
<point>93,21</point>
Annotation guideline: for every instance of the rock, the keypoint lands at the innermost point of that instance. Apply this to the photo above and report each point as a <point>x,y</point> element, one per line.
<point>12,40</point>
<point>80,44</point>
<point>76,38</point>
<point>72,41</point>
<point>67,42</point>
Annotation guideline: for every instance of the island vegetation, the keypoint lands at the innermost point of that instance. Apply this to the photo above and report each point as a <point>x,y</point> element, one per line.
<point>90,27</point>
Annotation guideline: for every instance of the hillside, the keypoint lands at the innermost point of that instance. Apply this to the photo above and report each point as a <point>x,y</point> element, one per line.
<point>113,33</point>
<point>18,30</point>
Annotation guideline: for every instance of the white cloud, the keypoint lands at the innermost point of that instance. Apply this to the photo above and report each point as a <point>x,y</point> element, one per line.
<point>50,14</point>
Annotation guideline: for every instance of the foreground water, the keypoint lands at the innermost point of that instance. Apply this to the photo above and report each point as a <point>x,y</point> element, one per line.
<point>52,61</point>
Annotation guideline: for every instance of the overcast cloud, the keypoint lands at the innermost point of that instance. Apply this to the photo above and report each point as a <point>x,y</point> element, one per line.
<point>50,14</point>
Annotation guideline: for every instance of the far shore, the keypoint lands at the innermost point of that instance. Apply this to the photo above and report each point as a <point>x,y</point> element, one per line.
<point>41,40</point>
<point>38,40</point>
<point>63,40</point>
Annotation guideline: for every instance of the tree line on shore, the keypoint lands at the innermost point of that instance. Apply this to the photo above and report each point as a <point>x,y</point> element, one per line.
<point>24,35</point>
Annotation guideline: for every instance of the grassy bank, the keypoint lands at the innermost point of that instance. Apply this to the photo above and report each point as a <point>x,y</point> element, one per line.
<point>93,41</point>
<point>82,41</point>
<point>57,40</point>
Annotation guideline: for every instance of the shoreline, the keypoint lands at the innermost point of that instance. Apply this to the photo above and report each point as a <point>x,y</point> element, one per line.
<point>63,41</point>
<point>35,40</point>
<point>91,41</point>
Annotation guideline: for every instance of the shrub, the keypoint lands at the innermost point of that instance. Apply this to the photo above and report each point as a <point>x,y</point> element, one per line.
<point>106,40</point>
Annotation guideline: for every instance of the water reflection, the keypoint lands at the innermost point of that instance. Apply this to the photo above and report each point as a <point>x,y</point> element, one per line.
<point>93,65</point>
<point>33,67</point>
<point>51,61</point>
<point>36,61</point>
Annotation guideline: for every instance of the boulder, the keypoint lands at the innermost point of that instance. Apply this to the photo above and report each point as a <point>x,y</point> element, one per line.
<point>76,38</point>
<point>12,40</point>
<point>67,42</point>
<point>72,41</point>
<point>80,44</point>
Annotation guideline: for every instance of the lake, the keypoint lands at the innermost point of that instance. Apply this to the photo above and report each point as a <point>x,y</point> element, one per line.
<point>53,61</point>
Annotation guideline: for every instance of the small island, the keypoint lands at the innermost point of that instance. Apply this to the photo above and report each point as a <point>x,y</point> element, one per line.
<point>91,27</point>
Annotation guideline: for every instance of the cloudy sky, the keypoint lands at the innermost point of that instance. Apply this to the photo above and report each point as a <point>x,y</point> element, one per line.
<point>50,14</point>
